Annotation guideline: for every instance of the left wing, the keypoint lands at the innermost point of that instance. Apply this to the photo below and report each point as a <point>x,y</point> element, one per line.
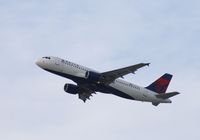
<point>110,76</point>
<point>85,92</point>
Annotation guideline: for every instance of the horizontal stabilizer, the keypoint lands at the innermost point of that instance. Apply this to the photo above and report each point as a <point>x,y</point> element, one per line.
<point>167,95</point>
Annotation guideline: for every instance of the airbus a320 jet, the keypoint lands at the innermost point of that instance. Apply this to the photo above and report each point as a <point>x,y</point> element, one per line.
<point>90,81</point>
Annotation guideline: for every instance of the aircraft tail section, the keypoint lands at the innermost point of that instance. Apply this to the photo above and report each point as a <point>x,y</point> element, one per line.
<point>167,95</point>
<point>161,84</point>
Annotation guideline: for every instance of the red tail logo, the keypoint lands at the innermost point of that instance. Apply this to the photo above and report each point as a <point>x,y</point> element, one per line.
<point>160,85</point>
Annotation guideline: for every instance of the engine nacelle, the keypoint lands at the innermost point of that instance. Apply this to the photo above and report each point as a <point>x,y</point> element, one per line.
<point>70,88</point>
<point>92,76</point>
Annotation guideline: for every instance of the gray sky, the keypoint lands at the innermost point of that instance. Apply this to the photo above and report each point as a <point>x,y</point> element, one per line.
<point>103,35</point>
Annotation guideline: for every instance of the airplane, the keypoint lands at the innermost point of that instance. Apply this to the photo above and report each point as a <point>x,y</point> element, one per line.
<point>90,81</point>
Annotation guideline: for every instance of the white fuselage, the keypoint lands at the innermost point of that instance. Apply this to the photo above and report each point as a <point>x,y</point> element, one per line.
<point>63,67</point>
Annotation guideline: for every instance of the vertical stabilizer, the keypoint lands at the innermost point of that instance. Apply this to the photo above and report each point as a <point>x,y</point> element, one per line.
<point>161,85</point>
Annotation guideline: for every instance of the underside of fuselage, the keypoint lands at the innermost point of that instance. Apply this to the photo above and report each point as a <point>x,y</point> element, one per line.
<point>97,87</point>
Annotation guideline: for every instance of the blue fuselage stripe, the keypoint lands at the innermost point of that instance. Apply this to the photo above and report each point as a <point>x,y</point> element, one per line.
<point>99,87</point>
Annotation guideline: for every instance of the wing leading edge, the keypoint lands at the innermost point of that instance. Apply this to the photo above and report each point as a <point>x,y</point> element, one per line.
<point>110,76</point>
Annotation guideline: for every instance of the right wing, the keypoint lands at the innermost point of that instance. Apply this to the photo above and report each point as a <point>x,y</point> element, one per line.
<point>110,76</point>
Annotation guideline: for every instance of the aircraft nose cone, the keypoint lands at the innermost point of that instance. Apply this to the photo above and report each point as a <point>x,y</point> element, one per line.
<point>38,62</point>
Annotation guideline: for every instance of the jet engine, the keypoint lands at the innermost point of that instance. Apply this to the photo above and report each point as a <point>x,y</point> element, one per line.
<point>92,76</point>
<point>70,88</point>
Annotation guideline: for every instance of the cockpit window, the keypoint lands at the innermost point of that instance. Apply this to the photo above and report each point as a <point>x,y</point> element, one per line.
<point>46,57</point>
